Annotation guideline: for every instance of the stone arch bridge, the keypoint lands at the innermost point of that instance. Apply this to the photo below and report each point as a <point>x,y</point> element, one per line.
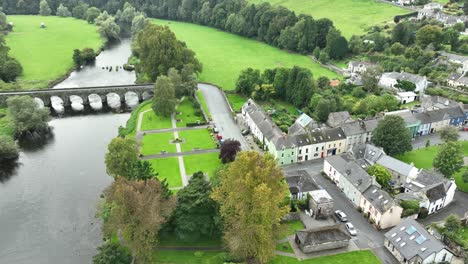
<point>143,91</point>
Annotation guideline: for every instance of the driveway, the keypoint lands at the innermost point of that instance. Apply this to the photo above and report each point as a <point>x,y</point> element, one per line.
<point>368,236</point>
<point>221,114</point>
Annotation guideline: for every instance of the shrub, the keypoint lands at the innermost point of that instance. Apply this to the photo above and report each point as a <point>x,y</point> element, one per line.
<point>410,207</point>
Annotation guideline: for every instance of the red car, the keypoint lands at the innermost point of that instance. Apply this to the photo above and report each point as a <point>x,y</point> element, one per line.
<point>219,137</point>
<point>465,128</point>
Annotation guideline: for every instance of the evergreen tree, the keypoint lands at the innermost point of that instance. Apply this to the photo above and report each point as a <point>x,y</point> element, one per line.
<point>164,99</point>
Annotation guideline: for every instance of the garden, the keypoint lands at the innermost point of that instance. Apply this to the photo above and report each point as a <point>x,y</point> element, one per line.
<point>208,163</point>
<point>50,58</point>
<point>168,168</point>
<point>422,158</point>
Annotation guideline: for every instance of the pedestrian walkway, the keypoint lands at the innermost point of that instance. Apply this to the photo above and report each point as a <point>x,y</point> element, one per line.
<point>179,154</point>
<point>173,129</point>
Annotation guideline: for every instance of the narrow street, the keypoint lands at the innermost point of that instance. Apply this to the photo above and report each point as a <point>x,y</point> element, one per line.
<point>222,115</point>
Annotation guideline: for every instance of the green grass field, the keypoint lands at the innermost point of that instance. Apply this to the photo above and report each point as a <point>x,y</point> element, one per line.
<point>130,126</point>
<point>422,158</point>
<point>188,114</point>
<point>188,257</point>
<point>361,257</point>
<point>151,121</point>
<point>225,55</point>
<point>290,228</point>
<point>208,163</point>
<point>352,17</point>
<point>46,54</point>
<point>284,247</point>
<point>236,101</point>
<point>156,143</point>
<point>200,139</point>
<point>168,168</point>
<point>202,100</point>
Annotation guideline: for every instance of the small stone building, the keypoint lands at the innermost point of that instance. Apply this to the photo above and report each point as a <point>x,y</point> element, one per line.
<point>323,238</point>
<point>321,203</point>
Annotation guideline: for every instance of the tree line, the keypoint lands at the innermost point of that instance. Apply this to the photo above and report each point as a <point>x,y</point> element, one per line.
<point>275,25</point>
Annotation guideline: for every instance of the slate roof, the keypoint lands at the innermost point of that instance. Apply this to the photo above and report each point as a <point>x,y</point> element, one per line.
<point>359,127</point>
<point>367,152</point>
<point>404,76</point>
<point>437,102</point>
<point>333,134</point>
<point>411,239</point>
<point>323,235</point>
<point>454,57</point>
<point>357,176</point>
<point>335,119</point>
<point>407,115</point>
<point>436,193</point>
<point>395,165</point>
<point>296,129</point>
<point>428,178</point>
<point>458,78</point>
<point>300,181</point>
<point>380,199</point>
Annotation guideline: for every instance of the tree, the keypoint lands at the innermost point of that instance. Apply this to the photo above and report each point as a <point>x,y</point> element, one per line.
<point>392,135</point>
<point>263,92</point>
<point>397,49</point>
<point>10,69</point>
<point>465,7</point>
<point>164,100</point>
<point>110,253</point>
<point>247,81</point>
<point>63,11</point>
<point>449,159</point>
<point>452,223</point>
<point>140,170</point>
<point>109,29</point>
<point>138,211</point>
<point>382,175</point>
<point>27,116</point>
<point>44,9</point>
<point>159,50</point>
<point>139,22</point>
<point>176,81</point>
<point>92,13</point>
<point>122,154</point>
<point>79,11</point>
<point>3,21</point>
<point>323,82</point>
<point>8,148</point>
<point>452,37</point>
<point>465,176</point>
<point>355,44</point>
<point>449,134</point>
<point>229,150</point>
<point>429,34</point>
<point>324,108</point>
<point>337,45</point>
<point>250,195</point>
<point>196,214</point>
<point>410,207</point>
<point>405,85</point>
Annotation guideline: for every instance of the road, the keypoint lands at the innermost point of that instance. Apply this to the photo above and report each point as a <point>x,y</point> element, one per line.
<point>368,237</point>
<point>434,139</point>
<point>221,114</point>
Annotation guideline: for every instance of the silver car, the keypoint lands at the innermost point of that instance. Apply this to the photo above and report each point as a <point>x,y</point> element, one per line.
<point>342,216</point>
<point>350,227</point>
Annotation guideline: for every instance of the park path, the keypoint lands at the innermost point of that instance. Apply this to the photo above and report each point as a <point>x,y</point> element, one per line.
<point>156,131</point>
<point>183,173</point>
<point>178,154</point>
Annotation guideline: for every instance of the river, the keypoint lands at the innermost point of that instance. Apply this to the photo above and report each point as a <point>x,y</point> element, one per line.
<point>48,204</point>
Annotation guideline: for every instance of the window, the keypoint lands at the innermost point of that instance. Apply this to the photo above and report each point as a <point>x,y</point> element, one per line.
<point>340,145</point>
<point>323,147</point>
<point>300,151</point>
<point>316,154</point>
<point>388,243</point>
<point>365,202</point>
<point>307,150</point>
<point>334,145</point>
<point>316,149</point>
<point>282,155</point>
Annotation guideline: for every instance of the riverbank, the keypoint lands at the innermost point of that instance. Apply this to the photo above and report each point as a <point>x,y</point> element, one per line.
<point>46,53</point>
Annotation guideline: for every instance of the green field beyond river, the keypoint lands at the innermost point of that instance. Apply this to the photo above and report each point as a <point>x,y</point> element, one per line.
<point>46,53</point>
<point>225,55</point>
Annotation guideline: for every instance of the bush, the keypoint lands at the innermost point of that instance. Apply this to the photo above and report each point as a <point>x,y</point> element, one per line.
<point>85,56</point>
<point>196,124</point>
<point>410,207</point>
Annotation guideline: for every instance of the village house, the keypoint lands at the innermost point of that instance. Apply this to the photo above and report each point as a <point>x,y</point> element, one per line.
<point>336,119</point>
<point>360,67</point>
<point>378,206</point>
<point>410,120</point>
<point>321,204</point>
<point>410,243</point>
<point>300,184</point>
<point>433,6</point>
<point>310,146</point>
<point>335,141</point>
<point>406,97</point>
<point>359,131</point>
<point>390,79</point>
<point>457,80</point>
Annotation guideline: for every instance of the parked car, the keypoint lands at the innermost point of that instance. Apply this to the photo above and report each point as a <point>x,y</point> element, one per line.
<point>464,128</point>
<point>342,216</point>
<point>215,130</point>
<point>350,227</point>
<point>245,132</point>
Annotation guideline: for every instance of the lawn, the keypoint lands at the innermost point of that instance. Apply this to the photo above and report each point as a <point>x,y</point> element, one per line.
<point>130,127</point>
<point>202,100</point>
<point>208,163</point>
<point>6,125</point>
<point>151,121</point>
<point>361,257</point>
<point>168,168</point>
<point>225,55</point>
<point>236,101</point>
<point>188,114</point>
<point>156,143</point>
<point>200,139</point>
<point>188,257</point>
<point>284,247</point>
<point>352,17</point>
<point>46,53</point>
<point>290,228</point>
<point>422,158</point>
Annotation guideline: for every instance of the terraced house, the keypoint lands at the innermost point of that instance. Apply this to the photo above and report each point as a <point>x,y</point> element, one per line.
<point>348,171</point>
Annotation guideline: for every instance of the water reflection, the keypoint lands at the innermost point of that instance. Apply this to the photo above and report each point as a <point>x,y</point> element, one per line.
<point>8,169</point>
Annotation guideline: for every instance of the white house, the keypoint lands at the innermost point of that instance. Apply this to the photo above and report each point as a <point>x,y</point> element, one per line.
<point>406,97</point>
<point>457,80</point>
<point>300,184</point>
<point>390,79</point>
<point>410,243</point>
<point>360,66</point>
<point>433,5</point>
<point>378,206</point>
